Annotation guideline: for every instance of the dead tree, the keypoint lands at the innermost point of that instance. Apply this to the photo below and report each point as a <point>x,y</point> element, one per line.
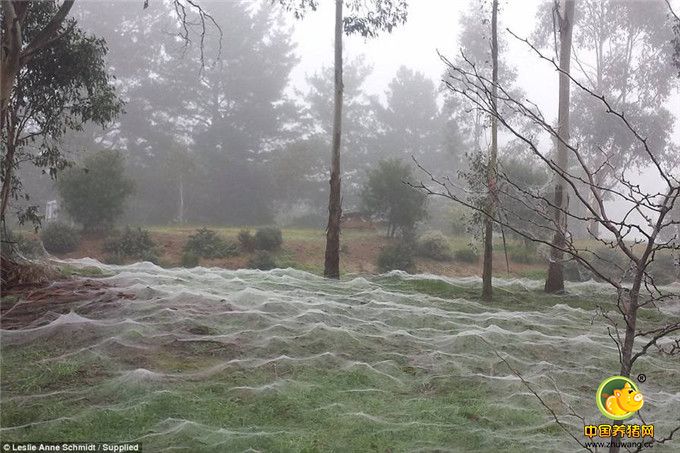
<point>636,240</point>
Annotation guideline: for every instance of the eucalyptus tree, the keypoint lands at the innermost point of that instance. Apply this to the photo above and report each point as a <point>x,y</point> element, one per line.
<point>623,51</point>
<point>59,88</point>
<point>367,18</point>
<point>25,42</point>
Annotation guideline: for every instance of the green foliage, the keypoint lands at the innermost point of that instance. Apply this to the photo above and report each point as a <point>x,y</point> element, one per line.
<point>131,243</point>
<point>664,269</point>
<point>525,255</point>
<point>206,243</point>
<point>24,245</point>
<point>94,193</point>
<point>397,256</point>
<point>434,245</point>
<point>60,88</point>
<point>459,217</point>
<point>387,194</point>
<point>59,238</point>
<point>246,240</point>
<point>268,238</point>
<point>262,260</point>
<point>466,255</point>
<point>189,259</point>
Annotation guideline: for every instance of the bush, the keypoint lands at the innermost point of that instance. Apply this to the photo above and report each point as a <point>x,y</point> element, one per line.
<point>459,218</point>
<point>268,238</point>
<point>207,244</point>
<point>397,256</point>
<point>131,243</point>
<point>665,269</point>
<point>59,238</point>
<point>466,255</point>
<point>525,256</point>
<point>189,259</point>
<point>434,245</point>
<point>94,193</point>
<point>262,260</point>
<point>384,194</point>
<point>246,241</point>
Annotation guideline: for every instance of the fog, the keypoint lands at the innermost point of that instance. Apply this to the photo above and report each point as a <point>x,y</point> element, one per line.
<point>371,225</point>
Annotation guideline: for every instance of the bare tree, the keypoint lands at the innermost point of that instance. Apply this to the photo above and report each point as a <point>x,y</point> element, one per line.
<point>625,258</point>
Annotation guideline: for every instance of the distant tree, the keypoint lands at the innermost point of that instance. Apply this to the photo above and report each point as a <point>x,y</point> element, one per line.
<point>33,30</point>
<point>60,85</point>
<point>94,193</point>
<point>230,117</point>
<point>366,18</point>
<point>555,279</point>
<point>410,122</point>
<point>623,51</point>
<point>387,194</point>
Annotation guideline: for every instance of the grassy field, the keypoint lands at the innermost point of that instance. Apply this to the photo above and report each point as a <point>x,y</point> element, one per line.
<point>284,361</point>
<point>303,249</point>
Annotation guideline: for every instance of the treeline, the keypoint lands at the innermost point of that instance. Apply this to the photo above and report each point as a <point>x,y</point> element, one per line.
<point>229,142</point>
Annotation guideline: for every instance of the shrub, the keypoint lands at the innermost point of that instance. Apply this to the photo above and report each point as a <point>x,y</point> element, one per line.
<point>397,256</point>
<point>268,238</point>
<point>207,244</point>
<point>132,243</point>
<point>189,259</point>
<point>59,238</point>
<point>262,260</point>
<point>94,193</point>
<point>384,194</point>
<point>466,255</point>
<point>525,256</point>
<point>246,241</point>
<point>434,245</point>
<point>664,269</point>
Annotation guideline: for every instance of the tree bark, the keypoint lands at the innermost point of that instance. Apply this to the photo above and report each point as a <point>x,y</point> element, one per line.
<point>487,270</point>
<point>332,258</point>
<point>555,280</point>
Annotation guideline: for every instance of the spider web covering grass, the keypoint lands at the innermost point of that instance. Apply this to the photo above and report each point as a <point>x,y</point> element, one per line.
<point>219,360</point>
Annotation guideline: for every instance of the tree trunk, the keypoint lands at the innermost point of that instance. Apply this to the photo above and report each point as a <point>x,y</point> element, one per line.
<point>180,213</point>
<point>487,271</point>
<point>555,281</point>
<point>332,259</point>
<point>630,307</point>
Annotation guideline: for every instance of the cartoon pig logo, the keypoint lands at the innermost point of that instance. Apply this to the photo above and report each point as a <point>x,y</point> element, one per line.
<point>619,398</point>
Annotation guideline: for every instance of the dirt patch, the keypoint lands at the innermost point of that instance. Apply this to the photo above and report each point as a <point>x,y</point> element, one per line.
<point>30,305</point>
<point>359,253</point>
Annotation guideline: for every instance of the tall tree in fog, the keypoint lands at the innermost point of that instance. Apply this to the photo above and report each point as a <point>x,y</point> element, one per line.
<point>487,269</point>
<point>410,123</point>
<point>366,18</point>
<point>226,117</point>
<point>565,19</point>
<point>358,116</point>
<point>623,51</point>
